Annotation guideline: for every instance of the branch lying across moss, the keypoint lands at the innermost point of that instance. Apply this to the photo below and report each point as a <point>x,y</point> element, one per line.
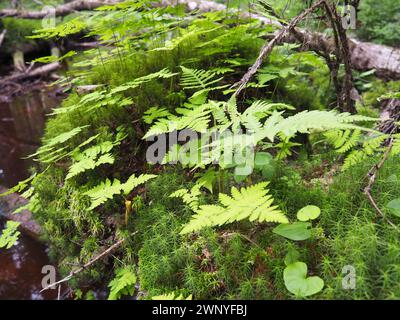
<point>59,11</point>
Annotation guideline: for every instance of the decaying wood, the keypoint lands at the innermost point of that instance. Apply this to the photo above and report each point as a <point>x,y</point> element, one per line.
<point>86,265</point>
<point>2,36</point>
<point>267,48</point>
<point>363,55</point>
<point>31,73</point>
<point>19,61</point>
<point>59,11</point>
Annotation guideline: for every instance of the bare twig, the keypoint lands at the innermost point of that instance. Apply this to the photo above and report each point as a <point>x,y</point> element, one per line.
<point>87,265</point>
<point>372,176</point>
<point>267,48</point>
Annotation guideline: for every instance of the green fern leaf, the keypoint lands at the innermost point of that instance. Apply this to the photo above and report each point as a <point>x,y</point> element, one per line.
<point>123,283</point>
<point>253,203</point>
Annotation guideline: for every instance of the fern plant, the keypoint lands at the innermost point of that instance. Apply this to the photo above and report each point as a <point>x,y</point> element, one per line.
<point>262,120</point>
<point>107,189</point>
<point>9,235</point>
<point>253,203</point>
<point>94,156</point>
<point>202,80</point>
<point>123,284</point>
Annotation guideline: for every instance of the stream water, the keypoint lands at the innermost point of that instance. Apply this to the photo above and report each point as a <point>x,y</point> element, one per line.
<point>21,126</point>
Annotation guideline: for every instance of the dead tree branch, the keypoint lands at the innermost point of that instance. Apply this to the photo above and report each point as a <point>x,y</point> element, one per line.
<point>371,175</point>
<point>87,265</point>
<point>267,48</point>
<point>59,11</point>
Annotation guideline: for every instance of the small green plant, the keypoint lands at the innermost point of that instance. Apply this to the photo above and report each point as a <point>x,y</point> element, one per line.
<point>308,213</point>
<point>296,231</point>
<point>394,207</point>
<point>123,284</point>
<point>172,296</point>
<point>253,203</point>
<point>297,282</point>
<point>10,234</point>
<point>107,189</point>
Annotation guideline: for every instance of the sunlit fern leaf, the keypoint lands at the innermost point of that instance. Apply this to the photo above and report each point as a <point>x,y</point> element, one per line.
<point>88,163</point>
<point>343,140</point>
<point>162,74</point>
<point>189,197</point>
<point>305,121</point>
<point>172,296</point>
<point>9,235</point>
<point>371,146</point>
<point>61,30</point>
<point>107,190</point>
<point>104,191</point>
<point>192,117</point>
<point>197,78</point>
<point>133,182</point>
<point>20,187</point>
<point>123,284</point>
<point>47,150</point>
<point>253,203</point>
<point>155,113</point>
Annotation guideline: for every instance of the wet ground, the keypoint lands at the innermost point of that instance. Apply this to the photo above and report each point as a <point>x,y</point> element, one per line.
<point>21,126</point>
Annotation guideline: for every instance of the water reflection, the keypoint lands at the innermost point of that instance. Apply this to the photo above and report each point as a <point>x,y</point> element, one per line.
<point>20,270</point>
<point>21,127</point>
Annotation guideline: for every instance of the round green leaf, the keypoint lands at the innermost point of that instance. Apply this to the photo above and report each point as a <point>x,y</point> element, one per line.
<point>296,231</point>
<point>296,281</point>
<point>394,207</point>
<point>308,213</point>
<point>262,159</point>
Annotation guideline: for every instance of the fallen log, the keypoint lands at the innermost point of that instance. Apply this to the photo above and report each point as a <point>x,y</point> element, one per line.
<point>37,72</point>
<point>363,55</point>
<point>59,11</point>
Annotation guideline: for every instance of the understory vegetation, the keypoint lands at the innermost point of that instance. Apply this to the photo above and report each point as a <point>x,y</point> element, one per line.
<point>291,221</point>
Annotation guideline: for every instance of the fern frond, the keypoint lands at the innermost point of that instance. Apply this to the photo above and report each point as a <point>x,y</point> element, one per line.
<point>10,234</point>
<point>47,152</point>
<point>161,74</point>
<point>253,203</point>
<point>343,140</point>
<point>369,148</point>
<point>155,113</point>
<point>172,296</point>
<point>107,189</point>
<point>189,197</point>
<point>197,78</point>
<point>192,117</point>
<point>123,283</point>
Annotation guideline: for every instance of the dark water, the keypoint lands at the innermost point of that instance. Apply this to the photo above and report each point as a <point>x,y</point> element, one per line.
<point>21,126</point>
<point>21,270</point>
